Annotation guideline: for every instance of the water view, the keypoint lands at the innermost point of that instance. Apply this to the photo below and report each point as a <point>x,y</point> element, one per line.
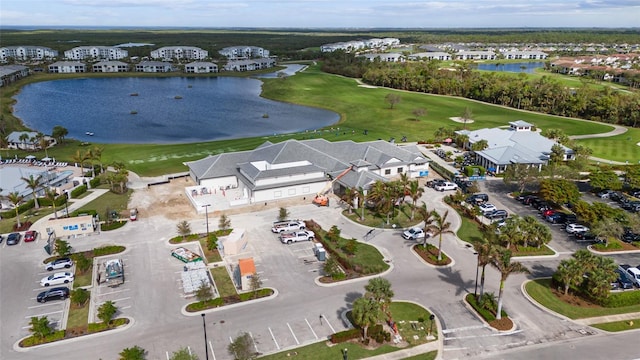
<point>524,67</point>
<point>162,110</point>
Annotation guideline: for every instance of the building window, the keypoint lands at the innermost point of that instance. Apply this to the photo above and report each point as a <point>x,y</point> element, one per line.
<point>292,192</point>
<point>305,189</point>
<point>277,194</point>
<point>387,171</point>
<point>400,170</point>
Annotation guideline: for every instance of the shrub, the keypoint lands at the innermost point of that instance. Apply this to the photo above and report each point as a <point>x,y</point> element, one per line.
<point>60,200</point>
<point>625,298</point>
<point>95,182</point>
<point>112,226</point>
<point>84,212</point>
<point>22,208</point>
<point>78,191</point>
<point>82,262</point>
<point>351,247</point>
<point>346,335</point>
<point>79,296</point>
<point>108,250</point>
<point>32,340</point>
<point>212,242</point>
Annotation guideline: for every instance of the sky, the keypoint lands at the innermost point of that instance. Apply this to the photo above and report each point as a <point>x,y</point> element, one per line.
<point>322,13</point>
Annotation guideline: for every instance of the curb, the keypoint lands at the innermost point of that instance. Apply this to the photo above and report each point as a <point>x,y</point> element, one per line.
<point>184,311</point>
<point>453,262</point>
<point>18,348</point>
<point>478,316</point>
<point>351,281</point>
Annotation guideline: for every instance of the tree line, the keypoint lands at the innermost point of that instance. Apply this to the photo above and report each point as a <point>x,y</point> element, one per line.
<point>545,94</point>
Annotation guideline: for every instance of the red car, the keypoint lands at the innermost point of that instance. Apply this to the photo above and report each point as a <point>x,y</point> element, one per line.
<point>548,213</point>
<point>30,236</point>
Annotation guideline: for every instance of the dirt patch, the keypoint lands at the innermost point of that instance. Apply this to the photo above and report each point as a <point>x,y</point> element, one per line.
<point>168,200</point>
<point>574,300</point>
<point>460,120</point>
<point>503,324</point>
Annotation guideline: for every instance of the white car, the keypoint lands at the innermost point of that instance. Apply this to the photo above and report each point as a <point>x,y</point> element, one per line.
<point>57,278</point>
<point>446,186</point>
<point>487,208</point>
<point>574,228</point>
<point>61,263</point>
<point>413,234</point>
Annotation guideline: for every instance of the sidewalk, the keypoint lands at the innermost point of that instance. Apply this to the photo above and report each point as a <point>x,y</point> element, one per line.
<point>608,318</point>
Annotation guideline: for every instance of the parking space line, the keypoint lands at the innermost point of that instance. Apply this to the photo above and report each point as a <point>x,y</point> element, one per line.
<point>328,323</point>
<point>42,305</point>
<point>255,346</point>
<point>115,292</point>
<point>116,300</point>
<point>310,328</point>
<point>124,307</point>
<point>274,338</point>
<point>294,335</point>
<point>44,314</point>
<point>212,353</point>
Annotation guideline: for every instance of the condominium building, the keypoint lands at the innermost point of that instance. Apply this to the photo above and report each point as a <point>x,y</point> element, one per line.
<point>110,66</point>
<point>179,52</point>
<point>67,67</point>
<point>27,53</point>
<point>244,52</point>
<point>96,52</point>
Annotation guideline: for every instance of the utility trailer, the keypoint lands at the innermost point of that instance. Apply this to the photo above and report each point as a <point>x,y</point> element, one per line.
<point>114,272</point>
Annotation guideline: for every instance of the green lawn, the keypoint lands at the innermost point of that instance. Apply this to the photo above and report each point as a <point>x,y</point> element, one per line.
<point>223,282</point>
<point>618,148</point>
<point>85,279</point>
<point>469,230</point>
<point>373,219</point>
<point>78,316</point>
<point>320,351</point>
<point>33,215</point>
<point>619,325</point>
<point>360,108</point>
<point>540,292</point>
<point>108,201</point>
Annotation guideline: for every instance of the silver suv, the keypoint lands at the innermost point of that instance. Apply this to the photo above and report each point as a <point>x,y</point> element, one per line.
<point>61,263</point>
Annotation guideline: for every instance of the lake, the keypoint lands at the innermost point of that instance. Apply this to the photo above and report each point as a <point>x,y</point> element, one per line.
<point>525,67</point>
<point>162,110</point>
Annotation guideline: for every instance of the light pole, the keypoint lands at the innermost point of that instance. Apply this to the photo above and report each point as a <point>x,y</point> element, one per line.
<point>206,348</point>
<point>431,317</point>
<point>206,215</point>
<point>475,291</point>
<point>344,354</point>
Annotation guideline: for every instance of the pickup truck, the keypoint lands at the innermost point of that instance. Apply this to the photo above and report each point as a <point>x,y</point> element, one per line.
<point>288,226</point>
<point>304,235</point>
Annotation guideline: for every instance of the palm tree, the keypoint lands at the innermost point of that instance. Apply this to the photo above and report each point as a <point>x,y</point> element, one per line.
<point>24,137</point>
<point>51,195</point>
<point>440,227</point>
<point>15,198</point>
<point>34,184</point>
<point>502,262</point>
<point>569,273</point>
<point>379,289</point>
<point>486,249</point>
<point>404,183</point>
<point>349,195</point>
<point>366,312</point>
<point>96,153</point>
<point>80,157</point>
<point>427,218</point>
<point>415,192</point>
<point>362,198</point>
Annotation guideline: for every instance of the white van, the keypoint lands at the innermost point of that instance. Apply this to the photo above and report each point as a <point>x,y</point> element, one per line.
<point>635,274</point>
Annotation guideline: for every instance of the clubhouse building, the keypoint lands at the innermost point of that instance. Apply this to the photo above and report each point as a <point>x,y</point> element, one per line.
<point>296,168</point>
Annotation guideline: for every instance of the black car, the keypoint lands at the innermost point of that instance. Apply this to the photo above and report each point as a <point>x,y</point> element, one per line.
<point>528,199</point>
<point>629,236</point>
<point>623,280</point>
<point>58,293</point>
<point>477,199</point>
<point>13,239</point>
<point>433,183</point>
<point>585,236</point>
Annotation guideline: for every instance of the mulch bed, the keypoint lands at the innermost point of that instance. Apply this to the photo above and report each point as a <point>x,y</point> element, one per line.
<point>503,324</point>
<point>430,255</point>
<point>573,299</point>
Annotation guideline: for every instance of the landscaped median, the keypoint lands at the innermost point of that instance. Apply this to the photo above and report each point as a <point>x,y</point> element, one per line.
<point>577,307</point>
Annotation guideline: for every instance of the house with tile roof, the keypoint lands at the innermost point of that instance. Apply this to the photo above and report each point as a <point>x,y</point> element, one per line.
<point>295,168</point>
<point>520,143</point>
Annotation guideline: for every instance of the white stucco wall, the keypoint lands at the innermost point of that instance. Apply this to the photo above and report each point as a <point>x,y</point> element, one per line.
<point>289,178</point>
<point>216,183</point>
<point>308,190</point>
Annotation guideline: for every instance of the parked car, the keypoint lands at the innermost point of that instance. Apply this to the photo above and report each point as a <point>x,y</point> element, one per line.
<point>1,238</point>
<point>57,278</point>
<point>446,186</point>
<point>604,194</point>
<point>487,208</point>
<point>477,199</point>
<point>497,215</point>
<point>434,182</point>
<point>13,239</point>
<point>415,233</point>
<point>527,200</point>
<point>548,212</point>
<point>30,235</point>
<point>573,228</point>
<point>61,263</point>
<point>623,280</point>
<point>57,293</point>
<point>635,275</point>
<point>629,236</point>
<point>585,236</point>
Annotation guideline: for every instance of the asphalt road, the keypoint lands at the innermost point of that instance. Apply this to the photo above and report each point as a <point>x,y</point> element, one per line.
<point>152,295</point>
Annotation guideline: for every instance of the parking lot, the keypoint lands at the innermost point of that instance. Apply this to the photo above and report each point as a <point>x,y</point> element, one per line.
<point>120,295</point>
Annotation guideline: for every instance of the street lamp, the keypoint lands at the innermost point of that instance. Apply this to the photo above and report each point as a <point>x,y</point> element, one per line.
<point>206,348</point>
<point>344,354</point>
<point>206,214</point>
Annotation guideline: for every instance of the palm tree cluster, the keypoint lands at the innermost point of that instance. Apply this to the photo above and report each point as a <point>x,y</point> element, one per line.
<point>589,274</point>
<point>384,197</point>
<point>373,307</point>
<point>91,156</point>
<point>524,232</point>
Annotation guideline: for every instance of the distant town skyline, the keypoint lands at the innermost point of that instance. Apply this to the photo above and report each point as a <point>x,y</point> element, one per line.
<point>321,13</point>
